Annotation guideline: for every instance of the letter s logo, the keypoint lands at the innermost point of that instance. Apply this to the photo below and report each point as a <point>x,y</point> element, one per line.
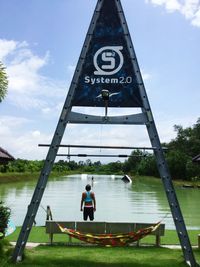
<point>109,55</point>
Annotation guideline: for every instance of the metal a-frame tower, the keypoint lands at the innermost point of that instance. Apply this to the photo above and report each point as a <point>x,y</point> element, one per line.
<point>107,75</point>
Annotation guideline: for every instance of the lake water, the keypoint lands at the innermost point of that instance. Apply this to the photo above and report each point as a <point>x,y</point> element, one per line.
<point>142,201</point>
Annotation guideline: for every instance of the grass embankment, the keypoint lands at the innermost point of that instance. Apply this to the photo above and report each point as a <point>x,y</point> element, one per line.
<point>17,177</point>
<point>61,255</point>
<point>194,184</point>
<point>75,256</point>
<point>13,177</point>
<point>55,256</point>
<point>179,182</point>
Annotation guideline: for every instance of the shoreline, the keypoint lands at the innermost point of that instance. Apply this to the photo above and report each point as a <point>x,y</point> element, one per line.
<point>15,177</point>
<point>6,178</point>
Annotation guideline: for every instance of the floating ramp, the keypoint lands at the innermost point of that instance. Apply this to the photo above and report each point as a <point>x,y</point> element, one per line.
<point>126,179</point>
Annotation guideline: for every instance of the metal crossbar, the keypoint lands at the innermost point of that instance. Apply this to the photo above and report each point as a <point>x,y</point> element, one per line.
<point>103,147</point>
<point>97,156</point>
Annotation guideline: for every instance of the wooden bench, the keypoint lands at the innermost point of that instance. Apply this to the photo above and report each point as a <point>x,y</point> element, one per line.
<point>102,228</point>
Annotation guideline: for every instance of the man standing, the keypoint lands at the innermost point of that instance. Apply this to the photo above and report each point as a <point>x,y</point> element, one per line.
<point>88,198</point>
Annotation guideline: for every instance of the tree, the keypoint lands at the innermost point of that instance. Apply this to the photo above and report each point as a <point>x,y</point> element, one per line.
<point>114,167</point>
<point>177,161</point>
<point>88,162</point>
<point>72,165</point>
<point>97,163</point>
<point>3,82</point>
<point>187,140</point>
<point>182,149</point>
<point>147,166</point>
<point>133,162</point>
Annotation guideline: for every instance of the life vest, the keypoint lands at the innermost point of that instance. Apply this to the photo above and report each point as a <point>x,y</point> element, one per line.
<point>88,197</point>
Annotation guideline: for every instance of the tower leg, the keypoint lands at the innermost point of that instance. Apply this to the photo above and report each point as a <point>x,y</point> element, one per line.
<point>40,187</point>
<point>170,193</point>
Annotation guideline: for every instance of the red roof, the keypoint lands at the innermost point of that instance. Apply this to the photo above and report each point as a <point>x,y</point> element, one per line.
<point>5,156</point>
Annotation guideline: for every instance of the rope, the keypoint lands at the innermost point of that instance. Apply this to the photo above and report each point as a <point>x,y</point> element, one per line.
<point>43,208</point>
<point>165,216</point>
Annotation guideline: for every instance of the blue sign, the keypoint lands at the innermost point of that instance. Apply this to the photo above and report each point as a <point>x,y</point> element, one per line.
<point>108,65</point>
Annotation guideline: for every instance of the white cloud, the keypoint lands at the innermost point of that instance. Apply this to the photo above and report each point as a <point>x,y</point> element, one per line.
<point>9,123</point>
<point>46,110</point>
<point>26,145</point>
<point>28,88</point>
<point>20,142</point>
<point>110,135</point>
<point>23,72</point>
<point>6,48</point>
<point>196,19</point>
<point>170,5</point>
<point>145,75</point>
<point>26,102</point>
<point>190,9</point>
<point>36,133</point>
<point>71,68</point>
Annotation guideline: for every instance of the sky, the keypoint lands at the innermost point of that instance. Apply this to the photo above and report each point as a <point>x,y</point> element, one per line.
<point>40,43</point>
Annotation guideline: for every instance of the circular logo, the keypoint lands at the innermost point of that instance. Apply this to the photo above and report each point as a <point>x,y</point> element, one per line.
<point>108,60</point>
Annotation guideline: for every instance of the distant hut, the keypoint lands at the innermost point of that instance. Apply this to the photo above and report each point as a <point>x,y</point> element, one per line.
<point>5,157</point>
<point>196,159</point>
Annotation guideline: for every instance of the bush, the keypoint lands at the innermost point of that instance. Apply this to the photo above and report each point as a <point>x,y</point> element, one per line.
<point>177,161</point>
<point>4,217</point>
<point>148,166</point>
<point>192,171</point>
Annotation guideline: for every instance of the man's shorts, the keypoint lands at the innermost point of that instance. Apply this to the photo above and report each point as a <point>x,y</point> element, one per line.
<point>88,212</point>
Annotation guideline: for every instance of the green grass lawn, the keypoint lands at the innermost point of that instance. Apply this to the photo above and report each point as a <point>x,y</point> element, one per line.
<point>78,256</point>
<point>38,235</point>
<point>49,256</point>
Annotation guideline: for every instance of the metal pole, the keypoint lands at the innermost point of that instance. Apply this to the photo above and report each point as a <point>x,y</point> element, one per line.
<point>100,155</point>
<point>103,147</point>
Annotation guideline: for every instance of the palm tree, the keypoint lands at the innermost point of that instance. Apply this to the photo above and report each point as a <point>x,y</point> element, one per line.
<point>3,82</point>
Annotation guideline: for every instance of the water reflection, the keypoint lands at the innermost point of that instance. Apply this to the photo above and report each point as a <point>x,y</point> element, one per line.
<point>142,201</point>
